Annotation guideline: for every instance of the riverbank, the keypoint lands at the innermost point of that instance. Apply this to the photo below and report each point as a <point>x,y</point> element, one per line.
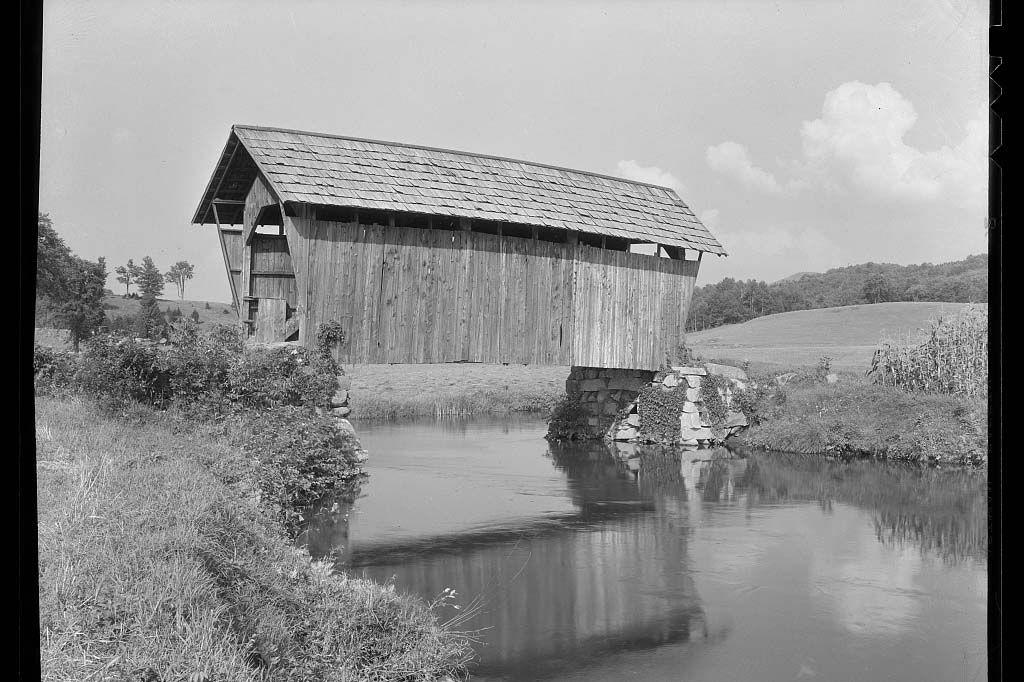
<point>156,562</point>
<point>857,418</point>
<point>384,392</point>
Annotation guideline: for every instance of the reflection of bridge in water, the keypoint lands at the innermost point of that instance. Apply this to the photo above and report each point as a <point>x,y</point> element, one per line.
<point>612,577</point>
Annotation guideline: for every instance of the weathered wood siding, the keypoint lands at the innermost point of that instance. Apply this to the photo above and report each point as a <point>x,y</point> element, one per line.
<point>271,274</point>
<point>231,249</point>
<point>407,295</point>
<point>629,309</point>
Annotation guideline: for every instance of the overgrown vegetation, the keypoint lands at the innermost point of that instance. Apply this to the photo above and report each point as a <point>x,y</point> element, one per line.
<point>951,358</point>
<point>659,410</point>
<point>857,418</point>
<point>731,301</point>
<point>713,404</point>
<point>568,420</point>
<point>172,479</point>
<point>275,399</point>
<point>156,563</point>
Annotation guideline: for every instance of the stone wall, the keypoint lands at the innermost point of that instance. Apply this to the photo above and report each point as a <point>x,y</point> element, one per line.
<point>671,410</point>
<point>602,393</point>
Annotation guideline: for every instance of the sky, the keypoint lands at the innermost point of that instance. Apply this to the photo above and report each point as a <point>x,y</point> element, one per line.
<point>806,134</point>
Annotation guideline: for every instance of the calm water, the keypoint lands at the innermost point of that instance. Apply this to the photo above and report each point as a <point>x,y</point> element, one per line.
<point>590,563</point>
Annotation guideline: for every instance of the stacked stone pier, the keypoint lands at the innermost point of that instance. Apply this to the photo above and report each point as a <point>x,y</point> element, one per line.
<point>668,406</point>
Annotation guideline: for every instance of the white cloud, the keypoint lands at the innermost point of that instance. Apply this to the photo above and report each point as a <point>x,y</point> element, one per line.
<point>731,158</point>
<point>857,145</point>
<point>860,136</point>
<point>710,218</point>
<point>768,247</point>
<point>631,170</point>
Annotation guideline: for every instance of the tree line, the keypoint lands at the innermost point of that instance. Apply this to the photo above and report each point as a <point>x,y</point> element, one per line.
<point>148,273</point>
<point>70,289</point>
<point>731,301</point>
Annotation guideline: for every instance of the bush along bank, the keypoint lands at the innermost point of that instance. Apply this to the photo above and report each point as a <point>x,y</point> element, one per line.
<point>855,417</point>
<point>922,401</point>
<point>171,482</point>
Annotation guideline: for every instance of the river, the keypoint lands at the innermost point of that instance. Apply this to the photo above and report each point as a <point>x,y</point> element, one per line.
<point>580,562</point>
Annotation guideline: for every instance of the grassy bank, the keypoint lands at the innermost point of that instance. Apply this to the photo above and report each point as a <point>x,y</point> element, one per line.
<point>157,563</point>
<point>453,389</point>
<point>855,417</point>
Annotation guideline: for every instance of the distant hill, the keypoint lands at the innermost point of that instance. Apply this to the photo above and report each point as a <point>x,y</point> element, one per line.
<point>796,276</point>
<point>731,301</point>
<point>848,334</point>
<point>211,313</point>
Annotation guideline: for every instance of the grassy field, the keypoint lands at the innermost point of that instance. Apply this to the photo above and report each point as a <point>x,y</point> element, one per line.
<point>157,563</point>
<point>217,313</point>
<point>849,334</point>
<point>450,389</point>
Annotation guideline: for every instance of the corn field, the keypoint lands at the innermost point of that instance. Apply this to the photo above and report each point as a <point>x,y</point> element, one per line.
<point>949,357</point>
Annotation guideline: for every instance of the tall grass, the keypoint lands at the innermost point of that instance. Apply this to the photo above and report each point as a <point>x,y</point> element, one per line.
<point>491,400</point>
<point>952,357</point>
<point>157,564</point>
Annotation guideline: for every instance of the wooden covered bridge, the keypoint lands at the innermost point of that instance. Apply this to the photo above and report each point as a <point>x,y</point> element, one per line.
<point>431,255</point>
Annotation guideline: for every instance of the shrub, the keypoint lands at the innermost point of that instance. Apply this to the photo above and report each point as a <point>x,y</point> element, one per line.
<point>301,456</point>
<point>117,371</point>
<point>198,367</point>
<point>567,420</point>
<point>52,370</point>
<point>756,400</point>
<point>269,377</point>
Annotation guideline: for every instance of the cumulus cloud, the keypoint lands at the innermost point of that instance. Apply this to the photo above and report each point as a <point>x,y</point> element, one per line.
<point>731,158</point>
<point>858,144</point>
<point>860,134</point>
<point>631,170</point>
<point>773,243</point>
<point>710,218</point>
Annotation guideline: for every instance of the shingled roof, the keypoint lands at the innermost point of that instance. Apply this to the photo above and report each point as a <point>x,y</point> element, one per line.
<point>340,171</point>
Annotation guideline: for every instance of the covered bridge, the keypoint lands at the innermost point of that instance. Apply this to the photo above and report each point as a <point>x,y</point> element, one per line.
<point>432,255</point>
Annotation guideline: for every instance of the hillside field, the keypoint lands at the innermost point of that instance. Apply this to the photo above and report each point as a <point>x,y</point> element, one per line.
<point>848,334</point>
<point>217,313</point>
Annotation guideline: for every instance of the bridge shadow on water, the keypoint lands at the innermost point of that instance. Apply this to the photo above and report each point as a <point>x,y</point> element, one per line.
<point>564,591</point>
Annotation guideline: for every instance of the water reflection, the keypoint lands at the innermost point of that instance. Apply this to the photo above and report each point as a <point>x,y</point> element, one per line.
<point>943,512</point>
<point>604,564</point>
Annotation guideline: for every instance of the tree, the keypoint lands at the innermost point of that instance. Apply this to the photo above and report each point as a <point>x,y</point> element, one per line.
<point>82,308</point>
<point>178,274</point>
<point>150,322</point>
<point>876,289</point>
<point>149,280</point>
<point>69,288</point>
<point>52,257</point>
<point>128,274</point>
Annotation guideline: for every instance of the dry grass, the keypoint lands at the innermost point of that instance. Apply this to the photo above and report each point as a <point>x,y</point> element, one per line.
<point>452,389</point>
<point>155,563</point>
